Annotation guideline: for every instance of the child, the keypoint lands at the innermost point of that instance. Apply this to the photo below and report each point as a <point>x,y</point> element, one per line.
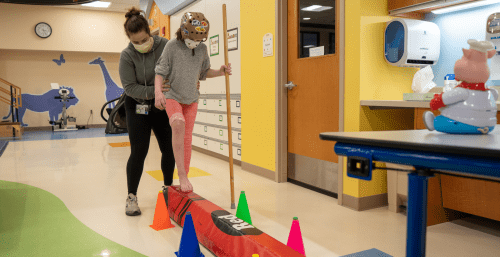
<point>184,62</point>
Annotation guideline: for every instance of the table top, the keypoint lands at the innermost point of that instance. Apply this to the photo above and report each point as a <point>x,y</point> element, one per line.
<point>487,145</point>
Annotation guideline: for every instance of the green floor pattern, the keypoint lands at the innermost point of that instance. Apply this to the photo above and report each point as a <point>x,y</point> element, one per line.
<point>34,222</point>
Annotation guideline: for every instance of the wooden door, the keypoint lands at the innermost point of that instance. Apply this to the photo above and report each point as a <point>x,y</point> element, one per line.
<point>313,103</point>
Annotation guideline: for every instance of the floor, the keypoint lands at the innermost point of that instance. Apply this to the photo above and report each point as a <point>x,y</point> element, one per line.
<point>64,195</point>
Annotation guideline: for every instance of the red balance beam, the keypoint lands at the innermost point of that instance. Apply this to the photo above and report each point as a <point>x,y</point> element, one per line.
<point>220,231</point>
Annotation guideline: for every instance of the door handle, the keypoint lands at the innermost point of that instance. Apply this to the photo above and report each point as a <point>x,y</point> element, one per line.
<point>290,85</point>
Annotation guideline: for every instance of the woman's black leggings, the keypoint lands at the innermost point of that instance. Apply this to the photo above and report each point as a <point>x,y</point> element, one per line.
<point>139,130</point>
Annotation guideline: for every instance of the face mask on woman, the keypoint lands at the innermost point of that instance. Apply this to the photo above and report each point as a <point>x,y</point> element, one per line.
<point>191,44</point>
<point>144,48</point>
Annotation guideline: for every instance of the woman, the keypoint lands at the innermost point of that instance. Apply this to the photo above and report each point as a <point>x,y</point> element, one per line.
<point>137,74</point>
<point>183,63</point>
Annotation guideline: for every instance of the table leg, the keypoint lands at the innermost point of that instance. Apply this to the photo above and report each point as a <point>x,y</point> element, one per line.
<point>416,227</point>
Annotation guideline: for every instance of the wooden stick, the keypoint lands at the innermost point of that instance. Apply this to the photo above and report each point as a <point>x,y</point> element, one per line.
<point>228,103</point>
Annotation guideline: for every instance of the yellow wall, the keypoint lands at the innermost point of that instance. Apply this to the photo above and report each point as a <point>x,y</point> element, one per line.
<point>369,77</point>
<point>165,24</point>
<point>72,30</point>
<point>378,79</point>
<point>257,17</point>
<point>351,86</point>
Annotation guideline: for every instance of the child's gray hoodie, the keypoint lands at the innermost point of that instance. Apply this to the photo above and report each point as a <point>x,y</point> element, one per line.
<point>183,70</point>
<point>137,70</point>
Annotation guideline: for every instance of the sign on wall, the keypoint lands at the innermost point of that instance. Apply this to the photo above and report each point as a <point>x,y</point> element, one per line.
<point>214,45</point>
<point>268,45</point>
<point>317,51</point>
<point>232,39</point>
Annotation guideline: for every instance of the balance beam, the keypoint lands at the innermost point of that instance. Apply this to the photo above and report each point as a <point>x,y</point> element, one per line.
<point>220,231</point>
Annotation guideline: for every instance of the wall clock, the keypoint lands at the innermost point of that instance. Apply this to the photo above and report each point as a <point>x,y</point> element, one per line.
<point>43,30</point>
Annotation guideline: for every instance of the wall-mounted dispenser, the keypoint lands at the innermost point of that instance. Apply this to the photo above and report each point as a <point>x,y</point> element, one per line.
<point>412,43</point>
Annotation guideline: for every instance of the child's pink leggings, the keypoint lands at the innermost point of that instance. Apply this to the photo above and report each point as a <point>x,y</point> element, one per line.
<point>186,113</point>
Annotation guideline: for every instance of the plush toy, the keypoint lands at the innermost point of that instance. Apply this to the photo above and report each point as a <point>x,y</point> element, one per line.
<point>470,107</point>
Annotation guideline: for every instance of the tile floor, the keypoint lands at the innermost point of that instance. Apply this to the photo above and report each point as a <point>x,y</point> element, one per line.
<point>88,176</point>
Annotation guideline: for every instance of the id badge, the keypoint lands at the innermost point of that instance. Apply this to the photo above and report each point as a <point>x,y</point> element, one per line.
<point>142,109</point>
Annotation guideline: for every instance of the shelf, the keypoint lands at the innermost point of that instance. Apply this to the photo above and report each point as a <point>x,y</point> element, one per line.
<point>418,8</point>
<point>220,96</point>
<point>393,104</point>
<point>216,140</point>
<point>219,112</point>
<point>216,126</point>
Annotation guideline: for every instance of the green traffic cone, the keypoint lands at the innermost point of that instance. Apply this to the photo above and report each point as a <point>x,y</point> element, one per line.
<point>242,212</point>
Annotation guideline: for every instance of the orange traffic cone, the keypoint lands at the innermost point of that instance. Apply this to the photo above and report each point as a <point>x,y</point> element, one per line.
<point>162,219</point>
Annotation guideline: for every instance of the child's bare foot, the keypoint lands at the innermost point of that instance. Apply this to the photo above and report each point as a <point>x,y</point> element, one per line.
<point>185,184</point>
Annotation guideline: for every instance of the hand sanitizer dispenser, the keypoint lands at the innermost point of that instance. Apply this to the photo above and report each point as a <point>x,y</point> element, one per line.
<point>412,43</point>
<point>493,35</point>
<point>449,82</point>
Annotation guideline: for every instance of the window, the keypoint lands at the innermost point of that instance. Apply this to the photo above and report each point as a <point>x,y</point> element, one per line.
<point>317,26</point>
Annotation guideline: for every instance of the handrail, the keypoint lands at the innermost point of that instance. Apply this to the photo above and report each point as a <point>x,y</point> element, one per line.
<point>15,102</point>
<point>5,100</point>
<point>8,83</point>
<point>14,94</point>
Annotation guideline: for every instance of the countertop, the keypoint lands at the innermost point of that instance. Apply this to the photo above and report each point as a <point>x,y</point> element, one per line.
<point>399,104</point>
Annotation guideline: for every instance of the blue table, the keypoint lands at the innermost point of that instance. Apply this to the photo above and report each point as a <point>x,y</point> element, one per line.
<point>429,152</point>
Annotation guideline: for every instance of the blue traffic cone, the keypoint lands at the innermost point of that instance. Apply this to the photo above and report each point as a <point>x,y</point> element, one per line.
<point>189,242</point>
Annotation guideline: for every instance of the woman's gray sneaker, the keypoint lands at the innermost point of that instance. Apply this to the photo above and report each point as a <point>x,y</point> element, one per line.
<point>132,208</point>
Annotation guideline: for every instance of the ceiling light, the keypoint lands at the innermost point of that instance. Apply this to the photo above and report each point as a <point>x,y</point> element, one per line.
<point>465,6</point>
<point>323,8</point>
<point>312,7</point>
<point>98,4</point>
<point>307,19</point>
<point>316,8</point>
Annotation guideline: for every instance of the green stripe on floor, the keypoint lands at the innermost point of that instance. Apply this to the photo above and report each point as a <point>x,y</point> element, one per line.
<point>34,222</point>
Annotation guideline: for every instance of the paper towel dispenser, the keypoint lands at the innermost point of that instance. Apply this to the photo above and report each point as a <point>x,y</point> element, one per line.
<point>411,43</point>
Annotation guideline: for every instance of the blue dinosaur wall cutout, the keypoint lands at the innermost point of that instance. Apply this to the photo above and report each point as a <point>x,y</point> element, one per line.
<point>47,103</point>
<point>44,103</point>
<point>112,90</point>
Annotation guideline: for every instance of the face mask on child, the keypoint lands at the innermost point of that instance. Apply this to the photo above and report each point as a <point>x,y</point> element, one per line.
<point>191,44</point>
<point>144,48</point>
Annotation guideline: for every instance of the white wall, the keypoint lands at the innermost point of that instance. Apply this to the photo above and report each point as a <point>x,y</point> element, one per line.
<point>212,105</point>
<point>456,28</point>
<point>212,9</point>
